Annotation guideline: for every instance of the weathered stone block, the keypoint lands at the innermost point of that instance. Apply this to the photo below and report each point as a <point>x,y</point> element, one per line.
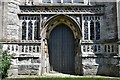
<point>12,72</point>
<point>35,60</point>
<point>34,72</point>
<point>90,69</point>
<point>23,70</point>
<point>13,19</point>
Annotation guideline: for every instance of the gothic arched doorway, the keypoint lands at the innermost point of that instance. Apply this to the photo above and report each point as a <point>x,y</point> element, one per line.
<point>61,48</point>
<point>72,29</point>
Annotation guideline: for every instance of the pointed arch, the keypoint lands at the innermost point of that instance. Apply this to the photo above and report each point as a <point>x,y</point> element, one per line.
<point>24,25</point>
<point>30,30</point>
<point>53,21</point>
<point>92,30</point>
<point>36,30</point>
<point>85,30</point>
<point>97,30</point>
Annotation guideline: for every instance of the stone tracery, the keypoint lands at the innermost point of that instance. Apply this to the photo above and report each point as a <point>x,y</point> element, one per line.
<point>56,10</point>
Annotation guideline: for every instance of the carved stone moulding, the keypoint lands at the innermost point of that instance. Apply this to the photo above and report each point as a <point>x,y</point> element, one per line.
<point>65,9</point>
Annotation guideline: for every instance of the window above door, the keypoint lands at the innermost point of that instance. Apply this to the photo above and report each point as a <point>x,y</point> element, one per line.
<point>30,2</point>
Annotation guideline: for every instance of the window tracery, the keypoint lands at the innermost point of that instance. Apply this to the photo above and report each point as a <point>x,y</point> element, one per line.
<point>46,1</point>
<point>86,30</point>
<point>63,1</point>
<point>97,30</point>
<point>78,1</point>
<point>91,28</point>
<point>56,1</point>
<point>36,24</point>
<point>24,30</point>
<point>31,2</point>
<point>67,1</point>
<point>30,27</point>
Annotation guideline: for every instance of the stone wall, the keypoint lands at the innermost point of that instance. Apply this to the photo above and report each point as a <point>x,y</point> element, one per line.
<point>3,19</point>
<point>110,21</point>
<point>12,29</point>
<point>118,28</point>
<point>91,65</point>
<point>104,64</point>
<point>109,29</point>
<point>100,66</point>
<point>1,10</point>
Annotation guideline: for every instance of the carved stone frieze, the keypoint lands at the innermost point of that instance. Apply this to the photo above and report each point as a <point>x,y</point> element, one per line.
<point>65,9</point>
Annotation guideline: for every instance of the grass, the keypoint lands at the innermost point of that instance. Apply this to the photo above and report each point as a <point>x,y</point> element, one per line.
<point>67,78</point>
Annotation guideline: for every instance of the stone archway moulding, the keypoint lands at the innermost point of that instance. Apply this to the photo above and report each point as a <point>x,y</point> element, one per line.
<point>50,24</point>
<point>53,21</point>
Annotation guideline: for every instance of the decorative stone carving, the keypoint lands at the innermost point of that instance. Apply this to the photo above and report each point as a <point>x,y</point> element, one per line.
<point>72,10</point>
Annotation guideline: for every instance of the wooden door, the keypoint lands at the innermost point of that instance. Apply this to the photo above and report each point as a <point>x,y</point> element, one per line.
<point>61,49</point>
